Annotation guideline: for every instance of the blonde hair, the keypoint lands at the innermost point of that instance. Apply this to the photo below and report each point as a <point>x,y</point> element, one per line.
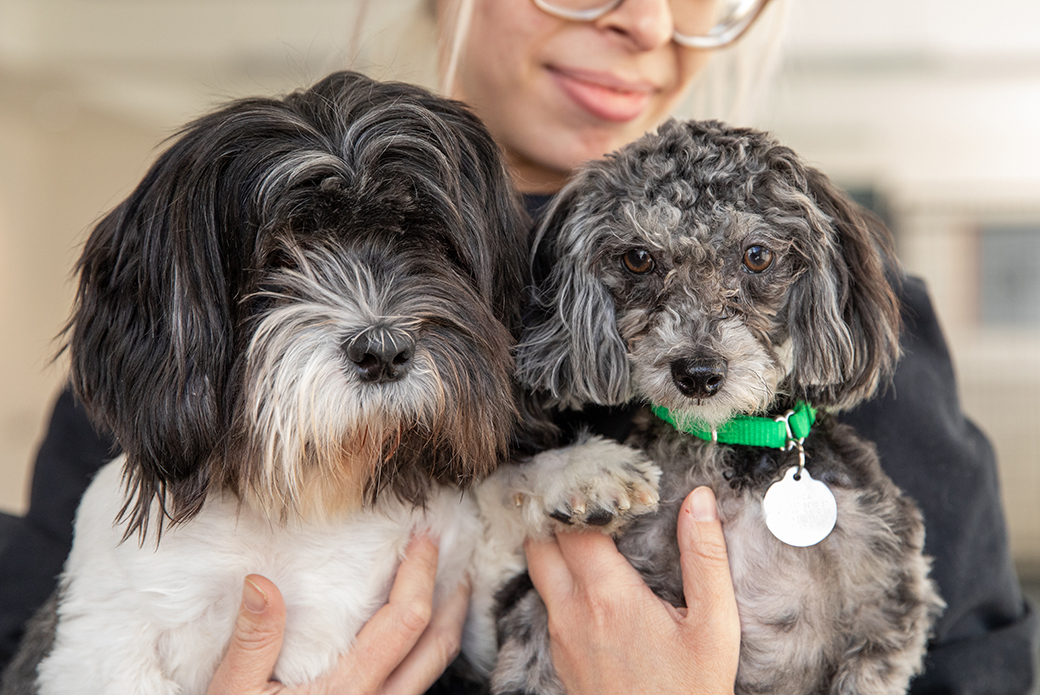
<point>736,82</point>
<point>407,40</point>
<point>401,40</point>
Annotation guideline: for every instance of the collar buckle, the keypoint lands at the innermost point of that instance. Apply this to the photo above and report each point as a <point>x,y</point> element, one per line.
<point>793,442</point>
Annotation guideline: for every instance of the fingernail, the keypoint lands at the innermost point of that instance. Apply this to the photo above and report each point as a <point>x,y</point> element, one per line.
<point>702,505</point>
<point>253,598</point>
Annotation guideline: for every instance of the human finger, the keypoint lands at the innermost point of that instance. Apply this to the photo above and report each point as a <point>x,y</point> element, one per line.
<point>548,570</point>
<point>593,560</point>
<point>255,643</point>
<point>392,632</point>
<point>436,649</point>
<point>707,581</point>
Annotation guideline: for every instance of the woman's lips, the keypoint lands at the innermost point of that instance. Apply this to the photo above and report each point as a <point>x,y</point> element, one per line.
<point>604,96</point>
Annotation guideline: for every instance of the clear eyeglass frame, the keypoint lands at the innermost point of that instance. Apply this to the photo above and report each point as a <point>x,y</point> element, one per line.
<point>728,29</point>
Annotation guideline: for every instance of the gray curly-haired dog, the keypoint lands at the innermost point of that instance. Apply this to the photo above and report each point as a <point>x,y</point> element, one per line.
<point>709,273</point>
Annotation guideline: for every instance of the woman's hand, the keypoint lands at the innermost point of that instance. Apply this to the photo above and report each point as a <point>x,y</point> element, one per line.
<point>402,649</point>
<point>611,634</point>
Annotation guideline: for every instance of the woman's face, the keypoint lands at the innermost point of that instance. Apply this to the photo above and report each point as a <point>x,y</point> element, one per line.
<point>557,93</point>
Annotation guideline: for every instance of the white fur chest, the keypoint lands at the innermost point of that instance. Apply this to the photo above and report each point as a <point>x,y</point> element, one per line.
<point>157,618</point>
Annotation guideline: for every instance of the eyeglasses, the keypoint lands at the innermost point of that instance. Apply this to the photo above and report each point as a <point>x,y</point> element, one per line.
<point>698,23</point>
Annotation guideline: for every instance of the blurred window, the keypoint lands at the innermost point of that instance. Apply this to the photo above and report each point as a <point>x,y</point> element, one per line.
<point>1010,275</point>
<point>875,201</point>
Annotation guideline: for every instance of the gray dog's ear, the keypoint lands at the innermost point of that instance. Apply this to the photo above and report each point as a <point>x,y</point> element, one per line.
<point>843,312</point>
<point>571,351</point>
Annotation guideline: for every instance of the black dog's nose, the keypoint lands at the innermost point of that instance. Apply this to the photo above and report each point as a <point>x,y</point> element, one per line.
<point>699,378</point>
<point>381,353</point>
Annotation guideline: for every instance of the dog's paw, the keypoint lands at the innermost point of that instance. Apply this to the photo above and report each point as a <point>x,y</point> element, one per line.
<point>597,484</point>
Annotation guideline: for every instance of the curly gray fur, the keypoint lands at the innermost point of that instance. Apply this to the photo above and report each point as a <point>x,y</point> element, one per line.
<point>706,269</point>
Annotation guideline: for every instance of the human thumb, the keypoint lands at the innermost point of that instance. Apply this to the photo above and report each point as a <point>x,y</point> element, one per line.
<point>707,583</point>
<point>255,642</point>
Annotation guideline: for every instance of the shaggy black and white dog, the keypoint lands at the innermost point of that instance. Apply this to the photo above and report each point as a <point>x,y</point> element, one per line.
<point>298,327</point>
<point>709,273</point>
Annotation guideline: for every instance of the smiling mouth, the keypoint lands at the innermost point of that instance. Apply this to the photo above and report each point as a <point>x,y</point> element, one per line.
<point>604,97</point>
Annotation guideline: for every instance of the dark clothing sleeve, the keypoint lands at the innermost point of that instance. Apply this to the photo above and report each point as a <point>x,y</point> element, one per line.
<point>34,553</point>
<point>985,640</point>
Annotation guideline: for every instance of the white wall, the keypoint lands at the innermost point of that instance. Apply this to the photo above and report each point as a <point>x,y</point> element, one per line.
<point>937,106</point>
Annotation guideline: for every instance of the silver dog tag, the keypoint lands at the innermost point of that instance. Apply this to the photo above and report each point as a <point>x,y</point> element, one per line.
<point>799,512</point>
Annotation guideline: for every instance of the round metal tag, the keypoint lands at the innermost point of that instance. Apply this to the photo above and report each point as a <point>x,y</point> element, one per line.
<point>799,512</point>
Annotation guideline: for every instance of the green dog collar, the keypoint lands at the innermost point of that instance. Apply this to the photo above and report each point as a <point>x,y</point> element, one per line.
<point>781,432</point>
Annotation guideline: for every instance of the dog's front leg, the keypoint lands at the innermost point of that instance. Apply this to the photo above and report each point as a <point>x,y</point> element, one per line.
<point>594,483</point>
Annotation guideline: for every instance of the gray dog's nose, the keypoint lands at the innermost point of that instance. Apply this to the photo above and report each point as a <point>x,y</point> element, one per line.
<point>381,353</point>
<point>699,378</point>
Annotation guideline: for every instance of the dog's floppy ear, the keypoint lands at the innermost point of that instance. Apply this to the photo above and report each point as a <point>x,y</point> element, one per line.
<point>150,336</point>
<point>571,349</point>
<point>843,313</point>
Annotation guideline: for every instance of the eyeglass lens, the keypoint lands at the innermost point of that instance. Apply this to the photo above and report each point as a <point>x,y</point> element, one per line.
<point>692,18</point>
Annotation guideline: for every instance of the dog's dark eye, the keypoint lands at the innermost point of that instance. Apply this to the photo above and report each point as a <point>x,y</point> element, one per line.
<point>757,258</point>
<point>638,261</point>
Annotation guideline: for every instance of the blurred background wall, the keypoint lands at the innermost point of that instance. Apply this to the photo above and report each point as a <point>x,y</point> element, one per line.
<point>928,110</point>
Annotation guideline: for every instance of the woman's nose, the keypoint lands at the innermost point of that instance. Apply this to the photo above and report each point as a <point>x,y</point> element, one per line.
<point>647,23</point>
